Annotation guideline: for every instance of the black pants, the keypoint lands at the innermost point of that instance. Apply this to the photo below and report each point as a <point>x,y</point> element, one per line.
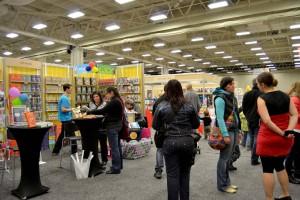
<point>103,145</point>
<point>235,154</point>
<point>269,164</point>
<point>68,129</point>
<point>292,162</point>
<point>178,153</point>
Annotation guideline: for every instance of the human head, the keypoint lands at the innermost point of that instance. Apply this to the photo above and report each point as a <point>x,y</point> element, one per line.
<point>295,90</point>
<point>129,104</point>
<point>189,87</point>
<point>254,83</point>
<point>227,84</point>
<point>175,94</point>
<point>96,98</point>
<point>67,87</point>
<point>266,81</point>
<point>112,92</point>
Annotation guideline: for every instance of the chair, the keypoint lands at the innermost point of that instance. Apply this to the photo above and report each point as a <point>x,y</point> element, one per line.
<point>70,139</point>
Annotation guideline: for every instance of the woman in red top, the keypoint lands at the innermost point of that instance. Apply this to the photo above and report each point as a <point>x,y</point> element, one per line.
<point>294,156</point>
<point>278,114</point>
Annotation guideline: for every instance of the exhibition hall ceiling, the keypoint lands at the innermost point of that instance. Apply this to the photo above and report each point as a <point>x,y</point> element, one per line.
<point>215,36</point>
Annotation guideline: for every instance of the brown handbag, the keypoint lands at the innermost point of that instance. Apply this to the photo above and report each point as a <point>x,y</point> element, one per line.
<point>216,140</point>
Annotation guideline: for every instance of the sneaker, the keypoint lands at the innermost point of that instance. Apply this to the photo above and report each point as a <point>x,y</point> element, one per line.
<point>158,174</point>
<point>230,190</point>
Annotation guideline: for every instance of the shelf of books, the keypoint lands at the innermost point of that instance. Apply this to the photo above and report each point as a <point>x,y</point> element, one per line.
<point>106,78</point>
<point>130,83</point>
<point>85,85</point>
<point>2,104</point>
<point>26,76</point>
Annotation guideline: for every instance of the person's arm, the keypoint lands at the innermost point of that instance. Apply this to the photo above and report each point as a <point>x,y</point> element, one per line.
<point>294,116</point>
<point>265,117</point>
<point>105,109</point>
<point>198,104</point>
<point>295,100</point>
<point>65,105</point>
<point>220,110</point>
<point>194,119</point>
<point>157,121</point>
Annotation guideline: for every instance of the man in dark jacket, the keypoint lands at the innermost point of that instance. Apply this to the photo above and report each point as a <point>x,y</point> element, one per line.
<point>250,110</point>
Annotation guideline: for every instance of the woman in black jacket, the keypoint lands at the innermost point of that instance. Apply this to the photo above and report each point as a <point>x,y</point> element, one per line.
<point>178,119</point>
<point>114,113</point>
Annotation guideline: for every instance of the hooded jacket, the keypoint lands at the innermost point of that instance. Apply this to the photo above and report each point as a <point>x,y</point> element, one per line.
<point>225,104</point>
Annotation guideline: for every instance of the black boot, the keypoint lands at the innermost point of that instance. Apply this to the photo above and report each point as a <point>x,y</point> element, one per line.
<point>284,198</point>
<point>158,173</point>
<point>231,167</point>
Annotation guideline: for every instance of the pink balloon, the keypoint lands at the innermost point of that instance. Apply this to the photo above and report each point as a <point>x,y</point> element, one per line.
<point>14,92</point>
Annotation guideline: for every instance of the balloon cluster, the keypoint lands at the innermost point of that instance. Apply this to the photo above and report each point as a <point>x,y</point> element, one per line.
<point>90,67</point>
<point>16,96</point>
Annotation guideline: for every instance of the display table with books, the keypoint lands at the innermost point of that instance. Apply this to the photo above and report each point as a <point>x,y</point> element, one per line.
<point>29,141</point>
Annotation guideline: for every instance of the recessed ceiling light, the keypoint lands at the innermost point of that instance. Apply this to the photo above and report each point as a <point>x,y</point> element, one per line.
<point>264,58</point>
<point>39,26</point>
<point>146,55</point>
<point>7,53</point>
<point>12,35</point>
<point>232,61</point>
<point>172,62</point>
<point>176,51</point>
<point>197,39</point>
<point>210,47</point>
<point>135,61</point>
<point>256,49</point>
<point>227,57</point>
<point>295,26</point>
<point>206,63</point>
<point>113,64</point>
<point>218,4</point>
<point>260,54</point>
<point>99,61</point>
<point>296,60</point>
<point>127,49</point>
<point>112,27</point>
<point>243,33</point>
<point>198,59</point>
<point>296,37</point>
<point>296,45</point>
<point>159,44</point>
<point>159,67</point>
<point>219,52</point>
<point>267,62</point>
<point>76,14</point>
<point>220,68</point>
<point>148,64</point>
<point>158,17</point>
<point>297,56</point>
<point>251,42</point>
<point>57,60</point>
<point>159,59</point>
<point>26,49</point>
<point>123,1</point>
<point>100,54</point>
<point>181,65</point>
<point>296,51</point>
<point>120,58</point>
<point>239,64</point>
<point>191,67</point>
<point>48,43</point>
<point>187,55</point>
<point>77,36</point>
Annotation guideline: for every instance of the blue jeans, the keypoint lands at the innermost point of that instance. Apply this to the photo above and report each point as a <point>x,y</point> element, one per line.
<point>223,179</point>
<point>253,136</point>
<point>116,151</point>
<point>159,159</point>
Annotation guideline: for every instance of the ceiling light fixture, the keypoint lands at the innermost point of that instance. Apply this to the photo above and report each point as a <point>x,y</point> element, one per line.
<point>256,49</point>
<point>251,42</point>
<point>146,55</point>
<point>172,62</point>
<point>218,4</point>
<point>113,64</point>
<point>76,14</point>
<point>191,67</point>
<point>176,51</point>
<point>197,39</point>
<point>206,63</point>
<point>120,58</point>
<point>267,62</point>
<point>213,66</point>
<point>39,26</point>
<point>229,72</point>
<point>148,64</point>
<point>150,71</point>
<point>220,68</point>
<point>158,17</point>
<point>243,67</point>
<point>98,61</point>
<point>100,54</point>
<point>260,54</point>
<point>297,56</point>
<point>159,44</point>
<point>270,65</point>
<point>112,27</point>
<point>187,55</point>
<point>296,60</point>
<point>123,1</point>
<point>239,64</point>
<point>219,52</point>
<point>296,51</point>
<point>210,47</point>
<point>25,49</point>
<point>77,36</point>
<point>7,53</point>
<point>295,26</point>
<point>127,49</point>
<point>243,33</point>
<point>198,70</point>
<point>178,71</point>
<point>232,61</point>
<point>48,43</point>
<point>12,35</point>
<point>227,57</point>
<point>296,45</point>
<point>135,61</point>
<point>181,65</point>
<point>159,59</point>
<point>198,59</point>
<point>159,67</point>
<point>296,37</point>
<point>57,60</point>
<point>264,58</point>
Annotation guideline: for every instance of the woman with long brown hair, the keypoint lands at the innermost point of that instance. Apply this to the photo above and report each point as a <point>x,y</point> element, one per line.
<point>177,119</point>
<point>278,115</point>
<point>292,163</point>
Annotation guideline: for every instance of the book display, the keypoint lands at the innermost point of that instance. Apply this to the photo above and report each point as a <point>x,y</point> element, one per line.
<point>84,87</point>
<point>107,78</point>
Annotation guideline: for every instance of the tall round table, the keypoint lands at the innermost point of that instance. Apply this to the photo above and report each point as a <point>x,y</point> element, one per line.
<point>29,141</point>
<point>89,129</point>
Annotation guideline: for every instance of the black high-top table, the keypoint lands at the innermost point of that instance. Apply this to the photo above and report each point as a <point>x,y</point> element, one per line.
<point>29,141</point>
<point>89,129</point>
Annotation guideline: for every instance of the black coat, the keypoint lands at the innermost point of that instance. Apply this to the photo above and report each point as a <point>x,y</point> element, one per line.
<point>250,107</point>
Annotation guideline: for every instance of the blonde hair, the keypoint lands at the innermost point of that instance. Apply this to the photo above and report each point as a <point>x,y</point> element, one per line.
<point>295,90</point>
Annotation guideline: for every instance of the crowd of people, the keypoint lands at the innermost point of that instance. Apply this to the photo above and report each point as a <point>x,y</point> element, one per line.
<point>265,124</point>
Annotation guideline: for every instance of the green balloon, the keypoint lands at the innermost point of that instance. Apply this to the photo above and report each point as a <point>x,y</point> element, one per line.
<point>17,102</point>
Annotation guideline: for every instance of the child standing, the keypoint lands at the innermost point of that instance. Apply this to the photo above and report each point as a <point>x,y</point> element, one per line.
<point>207,121</point>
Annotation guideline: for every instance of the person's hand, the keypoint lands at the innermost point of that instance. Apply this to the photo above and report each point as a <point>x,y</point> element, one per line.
<point>227,140</point>
<point>289,134</point>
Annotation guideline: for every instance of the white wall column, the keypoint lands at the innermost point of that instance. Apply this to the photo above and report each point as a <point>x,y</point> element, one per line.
<point>77,56</point>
